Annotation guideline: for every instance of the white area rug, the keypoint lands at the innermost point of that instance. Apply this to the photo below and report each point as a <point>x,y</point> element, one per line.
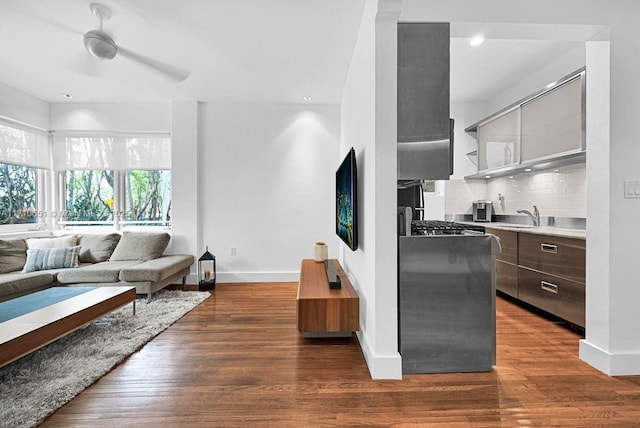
<point>34,386</point>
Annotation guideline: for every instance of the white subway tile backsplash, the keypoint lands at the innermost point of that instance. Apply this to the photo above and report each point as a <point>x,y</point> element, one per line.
<point>560,192</point>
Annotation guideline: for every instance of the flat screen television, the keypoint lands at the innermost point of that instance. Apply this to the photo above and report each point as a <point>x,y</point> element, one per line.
<point>347,201</point>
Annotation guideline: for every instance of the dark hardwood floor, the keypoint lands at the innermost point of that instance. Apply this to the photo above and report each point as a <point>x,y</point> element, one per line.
<point>237,360</point>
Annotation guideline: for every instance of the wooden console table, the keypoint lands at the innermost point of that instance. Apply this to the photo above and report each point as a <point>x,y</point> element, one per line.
<point>323,312</point>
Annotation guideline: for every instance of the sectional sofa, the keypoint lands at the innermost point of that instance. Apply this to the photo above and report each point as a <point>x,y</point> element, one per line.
<point>107,259</point>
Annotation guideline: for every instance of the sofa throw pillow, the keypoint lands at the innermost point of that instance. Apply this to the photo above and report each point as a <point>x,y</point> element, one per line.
<point>51,258</point>
<point>97,247</point>
<point>140,246</point>
<point>61,241</point>
<point>13,255</point>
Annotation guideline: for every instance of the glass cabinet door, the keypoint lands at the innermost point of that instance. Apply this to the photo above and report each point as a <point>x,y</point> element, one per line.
<point>552,123</point>
<point>499,141</point>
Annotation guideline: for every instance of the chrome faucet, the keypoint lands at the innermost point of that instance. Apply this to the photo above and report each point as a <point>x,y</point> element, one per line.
<point>535,217</point>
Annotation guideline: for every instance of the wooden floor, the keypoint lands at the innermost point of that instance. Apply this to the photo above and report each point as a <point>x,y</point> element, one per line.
<point>237,360</point>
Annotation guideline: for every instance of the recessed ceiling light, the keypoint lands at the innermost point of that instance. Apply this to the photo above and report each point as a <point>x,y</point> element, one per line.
<point>487,176</point>
<point>307,98</point>
<point>476,41</point>
<point>67,96</point>
<point>511,176</point>
<point>527,170</point>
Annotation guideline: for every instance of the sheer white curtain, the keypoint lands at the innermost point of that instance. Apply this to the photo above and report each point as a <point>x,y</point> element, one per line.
<point>73,152</point>
<point>23,146</point>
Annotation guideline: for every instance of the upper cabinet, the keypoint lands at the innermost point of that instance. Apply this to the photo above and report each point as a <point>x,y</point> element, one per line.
<point>499,141</point>
<point>553,122</point>
<point>544,130</point>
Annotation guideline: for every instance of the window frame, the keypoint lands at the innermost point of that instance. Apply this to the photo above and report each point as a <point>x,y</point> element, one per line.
<point>120,221</point>
<point>42,176</point>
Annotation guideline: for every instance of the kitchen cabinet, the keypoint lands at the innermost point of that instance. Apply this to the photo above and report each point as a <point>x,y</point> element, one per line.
<point>507,262</point>
<point>545,129</point>
<point>499,141</point>
<point>545,271</point>
<point>553,122</point>
<point>551,275</point>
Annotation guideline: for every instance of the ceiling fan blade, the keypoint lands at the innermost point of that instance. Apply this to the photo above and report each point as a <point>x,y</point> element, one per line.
<point>170,71</point>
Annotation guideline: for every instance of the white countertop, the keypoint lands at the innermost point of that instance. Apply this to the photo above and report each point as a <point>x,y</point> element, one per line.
<point>540,230</point>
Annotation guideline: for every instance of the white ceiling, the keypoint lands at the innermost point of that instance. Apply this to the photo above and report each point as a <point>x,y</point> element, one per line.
<point>233,51</point>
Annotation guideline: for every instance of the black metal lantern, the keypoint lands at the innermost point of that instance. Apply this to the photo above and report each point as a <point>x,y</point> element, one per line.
<point>207,271</point>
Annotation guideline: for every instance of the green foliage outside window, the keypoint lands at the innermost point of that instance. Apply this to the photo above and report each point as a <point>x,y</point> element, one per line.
<point>17,194</point>
<point>149,196</point>
<point>89,196</point>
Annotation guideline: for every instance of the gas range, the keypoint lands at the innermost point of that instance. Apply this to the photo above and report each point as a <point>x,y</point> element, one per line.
<point>439,227</point>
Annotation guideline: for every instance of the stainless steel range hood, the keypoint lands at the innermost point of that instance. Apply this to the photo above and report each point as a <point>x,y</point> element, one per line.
<point>424,128</point>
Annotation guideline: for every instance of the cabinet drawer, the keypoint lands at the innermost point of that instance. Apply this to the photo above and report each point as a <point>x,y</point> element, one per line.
<point>507,278</point>
<point>509,243</point>
<point>558,296</point>
<point>563,257</point>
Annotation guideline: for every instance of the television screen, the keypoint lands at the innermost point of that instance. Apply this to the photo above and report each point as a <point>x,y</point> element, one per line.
<point>346,201</point>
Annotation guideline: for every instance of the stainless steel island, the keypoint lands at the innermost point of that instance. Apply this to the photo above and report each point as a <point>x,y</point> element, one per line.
<point>446,302</point>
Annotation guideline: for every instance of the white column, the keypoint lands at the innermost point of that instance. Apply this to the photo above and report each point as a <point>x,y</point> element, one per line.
<point>185,205</point>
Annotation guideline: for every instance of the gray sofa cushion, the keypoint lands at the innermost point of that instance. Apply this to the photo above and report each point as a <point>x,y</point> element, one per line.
<point>19,283</point>
<point>59,241</point>
<point>97,247</point>
<point>51,258</point>
<point>140,246</point>
<point>99,272</point>
<point>157,269</point>
<point>13,255</point>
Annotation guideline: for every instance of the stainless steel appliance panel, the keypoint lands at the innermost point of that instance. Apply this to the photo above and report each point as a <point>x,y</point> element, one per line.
<point>446,303</point>
<point>424,127</point>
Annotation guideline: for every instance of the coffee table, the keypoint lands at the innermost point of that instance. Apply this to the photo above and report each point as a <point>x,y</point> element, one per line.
<point>26,333</point>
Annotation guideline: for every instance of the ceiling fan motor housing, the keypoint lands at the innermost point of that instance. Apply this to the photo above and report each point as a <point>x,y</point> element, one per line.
<point>100,44</point>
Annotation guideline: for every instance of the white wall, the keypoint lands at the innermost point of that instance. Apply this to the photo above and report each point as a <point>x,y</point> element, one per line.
<point>186,183</point>
<point>267,187</point>
<point>260,178</point>
<point>611,342</point>
<point>147,117</point>
<point>135,117</point>
<point>368,118</point>
<point>17,105</point>
<point>560,192</point>
<point>538,79</point>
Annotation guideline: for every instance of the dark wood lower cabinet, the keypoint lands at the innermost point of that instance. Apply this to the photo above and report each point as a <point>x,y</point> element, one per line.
<point>559,296</point>
<point>507,278</point>
<point>547,272</point>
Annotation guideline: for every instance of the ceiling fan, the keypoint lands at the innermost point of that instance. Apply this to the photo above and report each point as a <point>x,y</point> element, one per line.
<point>102,46</point>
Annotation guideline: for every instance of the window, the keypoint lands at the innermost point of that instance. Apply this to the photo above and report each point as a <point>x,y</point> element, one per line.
<point>89,197</point>
<point>115,180</point>
<point>148,196</point>
<point>18,194</point>
<point>24,156</point>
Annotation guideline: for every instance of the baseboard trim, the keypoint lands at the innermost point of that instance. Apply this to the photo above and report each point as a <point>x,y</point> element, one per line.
<point>233,277</point>
<point>621,364</point>
<point>380,366</point>
<point>275,276</point>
